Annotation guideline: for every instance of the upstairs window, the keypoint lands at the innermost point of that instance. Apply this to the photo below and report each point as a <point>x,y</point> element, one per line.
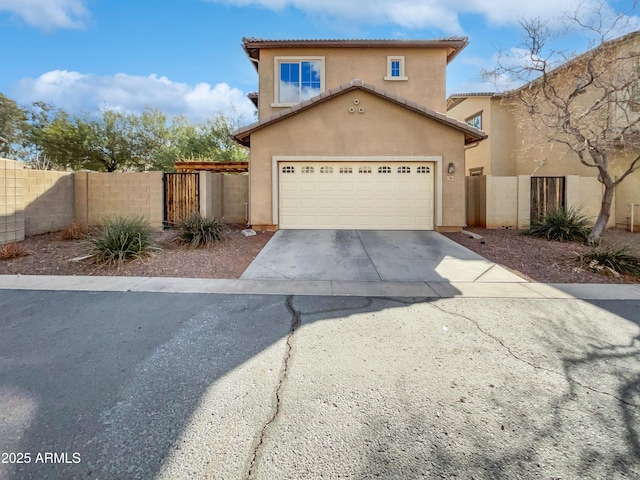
<point>395,68</point>
<point>475,120</point>
<point>298,79</point>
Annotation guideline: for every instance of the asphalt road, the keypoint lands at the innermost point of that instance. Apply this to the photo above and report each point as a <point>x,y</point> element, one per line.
<point>151,385</point>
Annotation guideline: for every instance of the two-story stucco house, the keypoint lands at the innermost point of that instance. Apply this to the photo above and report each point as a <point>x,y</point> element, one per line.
<point>350,135</point>
<point>517,154</point>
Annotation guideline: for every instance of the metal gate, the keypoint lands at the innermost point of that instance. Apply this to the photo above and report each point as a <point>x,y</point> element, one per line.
<point>547,195</point>
<point>181,196</point>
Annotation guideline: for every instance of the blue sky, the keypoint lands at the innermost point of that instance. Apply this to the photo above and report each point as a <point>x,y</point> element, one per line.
<point>185,56</point>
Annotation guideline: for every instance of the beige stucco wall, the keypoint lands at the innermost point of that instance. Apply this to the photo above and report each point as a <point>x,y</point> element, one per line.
<point>384,129</point>
<point>496,154</point>
<point>48,197</point>
<point>224,196</point>
<point>99,196</point>
<point>424,67</point>
<point>477,155</point>
<point>502,202</point>
<point>11,201</point>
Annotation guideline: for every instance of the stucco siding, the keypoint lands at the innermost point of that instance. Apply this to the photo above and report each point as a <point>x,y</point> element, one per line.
<point>425,69</point>
<point>383,129</point>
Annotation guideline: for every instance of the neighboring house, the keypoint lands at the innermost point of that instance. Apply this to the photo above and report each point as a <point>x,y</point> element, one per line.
<point>518,156</point>
<point>350,135</point>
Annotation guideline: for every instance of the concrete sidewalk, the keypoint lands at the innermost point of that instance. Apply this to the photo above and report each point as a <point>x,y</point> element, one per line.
<point>322,287</point>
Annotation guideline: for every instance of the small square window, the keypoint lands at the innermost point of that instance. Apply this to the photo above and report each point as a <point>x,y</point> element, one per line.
<point>395,68</point>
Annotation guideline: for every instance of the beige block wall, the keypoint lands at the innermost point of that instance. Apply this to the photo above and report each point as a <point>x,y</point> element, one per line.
<point>99,196</point>
<point>425,68</point>
<point>49,203</point>
<point>384,129</point>
<point>11,201</point>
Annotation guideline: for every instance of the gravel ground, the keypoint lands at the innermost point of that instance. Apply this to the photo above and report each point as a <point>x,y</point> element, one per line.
<point>50,255</point>
<point>532,258</point>
<point>539,260</point>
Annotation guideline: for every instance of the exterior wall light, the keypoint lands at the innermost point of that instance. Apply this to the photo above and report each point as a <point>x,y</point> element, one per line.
<point>451,168</point>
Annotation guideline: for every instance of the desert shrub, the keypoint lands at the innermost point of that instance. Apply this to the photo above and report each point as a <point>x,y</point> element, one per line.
<point>195,230</point>
<point>562,225</point>
<point>13,250</point>
<point>122,238</point>
<point>610,260</point>
<point>75,231</point>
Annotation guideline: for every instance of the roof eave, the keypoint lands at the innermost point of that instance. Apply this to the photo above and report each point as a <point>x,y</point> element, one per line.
<point>471,134</point>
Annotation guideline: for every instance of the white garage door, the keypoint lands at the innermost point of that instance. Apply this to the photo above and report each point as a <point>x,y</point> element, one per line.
<point>362,195</point>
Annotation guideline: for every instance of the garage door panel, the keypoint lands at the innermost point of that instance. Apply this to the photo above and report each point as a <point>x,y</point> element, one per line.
<point>325,198</point>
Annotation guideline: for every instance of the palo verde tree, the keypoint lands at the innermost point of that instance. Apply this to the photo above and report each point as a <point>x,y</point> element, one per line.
<point>588,102</point>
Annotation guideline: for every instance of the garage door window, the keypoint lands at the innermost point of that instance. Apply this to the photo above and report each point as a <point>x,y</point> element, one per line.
<point>288,169</point>
<point>423,170</point>
<point>384,169</point>
<point>326,169</point>
<point>364,170</point>
<point>404,169</point>
<point>307,170</point>
<point>346,170</point>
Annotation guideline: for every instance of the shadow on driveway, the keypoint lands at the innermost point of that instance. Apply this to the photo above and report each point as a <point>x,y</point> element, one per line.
<point>371,255</point>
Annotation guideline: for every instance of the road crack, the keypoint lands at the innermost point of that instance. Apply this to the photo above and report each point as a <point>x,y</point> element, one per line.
<point>295,323</point>
<point>532,365</point>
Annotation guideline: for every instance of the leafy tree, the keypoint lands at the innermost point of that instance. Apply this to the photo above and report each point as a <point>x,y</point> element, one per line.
<point>590,102</point>
<point>12,126</point>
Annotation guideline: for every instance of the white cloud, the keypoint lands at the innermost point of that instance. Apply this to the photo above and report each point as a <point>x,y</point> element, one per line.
<point>48,14</point>
<point>77,93</point>
<point>441,15</point>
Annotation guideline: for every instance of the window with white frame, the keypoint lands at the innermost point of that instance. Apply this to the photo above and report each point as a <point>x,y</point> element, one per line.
<point>395,68</point>
<point>298,79</point>
<point>475,120</point>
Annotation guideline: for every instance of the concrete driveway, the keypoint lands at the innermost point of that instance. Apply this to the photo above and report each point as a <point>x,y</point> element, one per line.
<point>372,256</point>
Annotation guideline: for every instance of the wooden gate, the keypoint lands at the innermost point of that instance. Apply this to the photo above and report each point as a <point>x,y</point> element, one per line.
<point>547,195</point>
<point>181,196</point>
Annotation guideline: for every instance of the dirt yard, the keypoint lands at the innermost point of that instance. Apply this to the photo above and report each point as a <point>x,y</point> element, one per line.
<point>540,260</point>
<point>228,259</point>
<point>534,259</point>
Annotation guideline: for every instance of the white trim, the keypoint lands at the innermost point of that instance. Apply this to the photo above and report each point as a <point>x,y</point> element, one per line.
<point>276,76</point>
<point>275,179</point>
<point>390,60</point>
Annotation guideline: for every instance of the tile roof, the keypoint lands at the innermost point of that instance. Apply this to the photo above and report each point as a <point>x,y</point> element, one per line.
<point>455,45</point>
<point>471,134</point>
